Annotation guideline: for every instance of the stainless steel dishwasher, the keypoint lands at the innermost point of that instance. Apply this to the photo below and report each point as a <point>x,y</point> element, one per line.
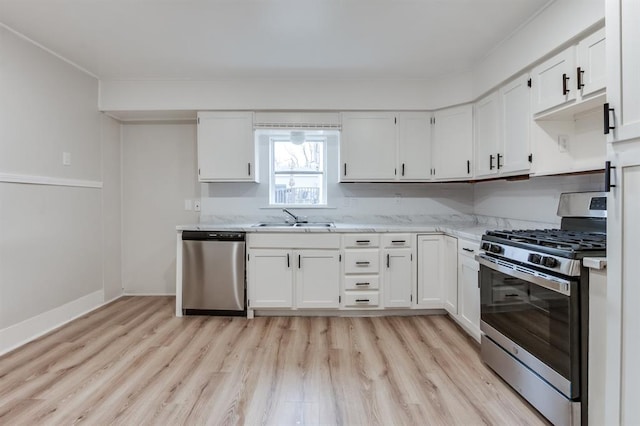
<point>213,273</point>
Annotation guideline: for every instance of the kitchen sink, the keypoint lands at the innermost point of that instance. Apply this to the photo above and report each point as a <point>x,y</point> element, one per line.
<point>294,225</point>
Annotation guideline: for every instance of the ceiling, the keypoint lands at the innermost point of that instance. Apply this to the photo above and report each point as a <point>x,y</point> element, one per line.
<point>223,39</point>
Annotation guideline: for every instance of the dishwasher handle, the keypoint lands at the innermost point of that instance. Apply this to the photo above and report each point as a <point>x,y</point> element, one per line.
<point>212,236</point>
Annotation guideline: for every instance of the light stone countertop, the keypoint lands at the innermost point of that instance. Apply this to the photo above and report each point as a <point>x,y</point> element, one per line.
<point>469,229</point>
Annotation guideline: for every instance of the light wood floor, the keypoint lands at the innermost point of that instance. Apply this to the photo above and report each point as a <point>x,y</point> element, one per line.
<point>132,362</point>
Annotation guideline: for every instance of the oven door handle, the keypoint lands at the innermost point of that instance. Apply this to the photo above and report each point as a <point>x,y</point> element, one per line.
<point>558,285</point>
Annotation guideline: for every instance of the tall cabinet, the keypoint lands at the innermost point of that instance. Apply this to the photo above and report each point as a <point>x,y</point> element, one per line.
<point>622,123</point>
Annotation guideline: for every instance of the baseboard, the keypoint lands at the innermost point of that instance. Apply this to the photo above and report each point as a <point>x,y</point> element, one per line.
<point>149,294</point>
<point>19,334</point>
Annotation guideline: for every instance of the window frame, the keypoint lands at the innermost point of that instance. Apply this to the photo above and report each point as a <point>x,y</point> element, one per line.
<point>323,199</point>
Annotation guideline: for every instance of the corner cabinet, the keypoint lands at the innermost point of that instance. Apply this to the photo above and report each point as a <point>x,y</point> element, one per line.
<point>226,147</point>
<point>468,291</point>
<point>385,146</point>
<point>452,143</point>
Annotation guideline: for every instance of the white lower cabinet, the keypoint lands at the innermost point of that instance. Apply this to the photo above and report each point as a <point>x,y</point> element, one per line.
<point>398,278</point>
<point>361,267</point>
<point>398,270</point>
<point>468,291</point>
<point>287,276</point>
<point>430,291</point>
<point>317,283</point>
<point>270,278</point>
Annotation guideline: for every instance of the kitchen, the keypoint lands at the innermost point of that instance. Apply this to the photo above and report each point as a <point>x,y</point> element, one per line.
<point>130,178</point>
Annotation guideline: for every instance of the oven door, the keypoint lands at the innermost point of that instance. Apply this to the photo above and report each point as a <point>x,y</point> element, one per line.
<point>534,317</point>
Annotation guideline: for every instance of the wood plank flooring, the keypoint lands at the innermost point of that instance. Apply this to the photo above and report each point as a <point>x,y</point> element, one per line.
<point>132,363</point>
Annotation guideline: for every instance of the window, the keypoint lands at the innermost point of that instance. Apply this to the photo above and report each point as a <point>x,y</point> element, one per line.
<point>298,175</point>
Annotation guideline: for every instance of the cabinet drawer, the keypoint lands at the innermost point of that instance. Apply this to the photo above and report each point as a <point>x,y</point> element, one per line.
<point>361,240</point>
<point>365,261</point>
<point>396,240</point>
<point>362,298</point>
<point>361,282</point>
<point>468,248</point>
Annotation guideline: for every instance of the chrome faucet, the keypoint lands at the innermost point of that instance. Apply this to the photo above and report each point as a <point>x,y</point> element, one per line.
<point>297,219</point>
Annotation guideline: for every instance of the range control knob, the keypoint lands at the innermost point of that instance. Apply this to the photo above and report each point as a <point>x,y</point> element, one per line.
<point>535,258</point>
<point>493,248</point>
<point>485,246</point>
<point>549,262</point>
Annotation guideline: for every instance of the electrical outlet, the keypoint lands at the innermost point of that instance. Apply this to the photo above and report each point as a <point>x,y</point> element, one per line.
<point>188,205</point>
<point>563,143</point>
<point>66,158</point>
<point>196,205</point>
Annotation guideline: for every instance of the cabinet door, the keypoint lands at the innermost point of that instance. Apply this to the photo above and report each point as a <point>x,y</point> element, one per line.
<point>623,292</point>
<point>516,122</point>
<point>430,292</point>
<point>554,81</point>
<point>414,146</point>
<point>453,143</point>
<point>368,146</point>
<point>398,278</point>
<point>469,295</point>
<point>591,74</point>
<point>226,147</point>
<point>270,278</point>
<point>623,68</point>
<point>450,273</point>
<point>317,278</point>
<point>488,140</point>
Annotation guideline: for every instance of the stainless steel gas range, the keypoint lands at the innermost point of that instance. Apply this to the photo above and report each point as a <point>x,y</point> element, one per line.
<point>534,295</point>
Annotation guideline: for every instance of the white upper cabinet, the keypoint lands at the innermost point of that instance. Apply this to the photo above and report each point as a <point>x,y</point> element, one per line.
<point>414,145</point>
<point>574,80</point>
<point>553,81</point>
<point>515,103</point>
<point>623,70</point>
<point>226,147</point>
<point>591,73</point>
<point>452,143</point>
<point>368,146</point>
<point>488,140</point>
<point>385,146</point>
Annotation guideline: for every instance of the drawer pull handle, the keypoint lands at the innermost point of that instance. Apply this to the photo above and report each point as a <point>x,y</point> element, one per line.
<point>362,263</point>
<point>398,241</point>
<point>362,300</point>
<point>361,284</point>
<point>363,241</point>
<point>468,249</point>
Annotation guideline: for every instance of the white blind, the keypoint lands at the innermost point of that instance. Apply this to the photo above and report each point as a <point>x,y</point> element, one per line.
<point>297,120</point>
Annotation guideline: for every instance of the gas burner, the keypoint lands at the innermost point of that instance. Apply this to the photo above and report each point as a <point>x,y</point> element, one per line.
<point>564,240</point>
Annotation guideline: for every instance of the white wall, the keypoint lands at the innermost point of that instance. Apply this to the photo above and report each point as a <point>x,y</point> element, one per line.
<point>158,173</point>
<point>535,199</point>
<point>51,230</point>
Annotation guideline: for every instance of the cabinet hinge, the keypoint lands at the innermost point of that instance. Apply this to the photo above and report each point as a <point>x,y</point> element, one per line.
<point>529,82</point>
<point>531,158</point>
